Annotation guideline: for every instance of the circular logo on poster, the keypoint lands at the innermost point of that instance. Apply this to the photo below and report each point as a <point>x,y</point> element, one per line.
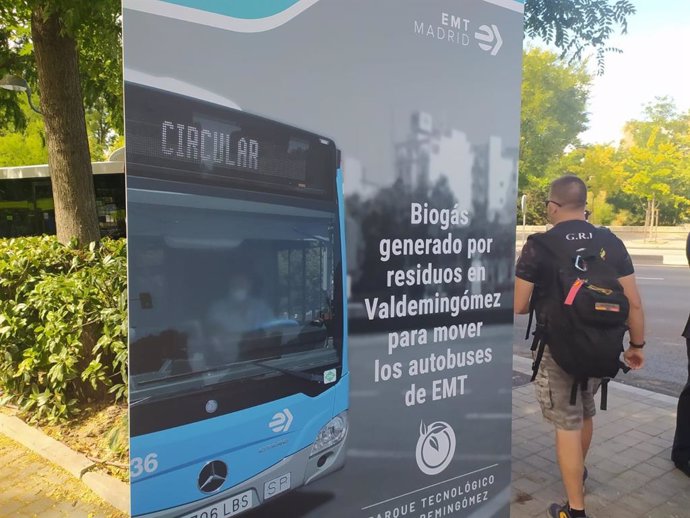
<point>435,447</point>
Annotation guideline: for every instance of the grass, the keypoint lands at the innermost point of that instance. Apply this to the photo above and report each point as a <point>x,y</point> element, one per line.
<point>101,433</point>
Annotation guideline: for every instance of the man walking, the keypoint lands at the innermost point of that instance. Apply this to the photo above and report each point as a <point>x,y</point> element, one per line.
<point>681,442</point>
<point>571,413</point>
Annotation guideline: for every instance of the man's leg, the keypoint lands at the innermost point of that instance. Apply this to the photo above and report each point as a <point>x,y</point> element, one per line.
<point>554,388</point>
<point>587,432</point>
<point>570,454</point>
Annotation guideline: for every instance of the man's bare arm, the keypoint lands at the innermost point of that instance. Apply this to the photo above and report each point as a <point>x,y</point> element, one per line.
<point>636,317</point>
<point>634,357</point>
<point>523,293</point>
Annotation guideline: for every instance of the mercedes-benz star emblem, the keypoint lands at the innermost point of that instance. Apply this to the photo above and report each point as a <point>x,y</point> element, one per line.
<point>212,476</point>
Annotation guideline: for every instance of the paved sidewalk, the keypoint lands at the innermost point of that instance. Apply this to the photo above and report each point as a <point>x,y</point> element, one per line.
<point>32,487</point>
<point>631,475</point>
<point>630,472</point>
<point>664,251</point>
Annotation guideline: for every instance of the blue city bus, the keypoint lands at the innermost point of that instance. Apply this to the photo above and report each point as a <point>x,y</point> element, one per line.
<point>238,339</point>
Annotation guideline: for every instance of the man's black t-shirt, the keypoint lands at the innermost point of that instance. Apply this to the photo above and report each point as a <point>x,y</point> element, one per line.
<point>576,233</point>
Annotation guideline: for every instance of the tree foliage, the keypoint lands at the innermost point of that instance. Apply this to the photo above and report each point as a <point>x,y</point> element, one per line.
<point>574,26</point>
<point>651,164</point>
<point>15,58</point>
<point>662,117</point>
<point>554,101</point>
<point>25,146</point>
<point>656,161</point>
<point>95,26</point>
<point>50,295</point>
<point>102,138</point>
<point>70,52</point>
<point>600,167</point>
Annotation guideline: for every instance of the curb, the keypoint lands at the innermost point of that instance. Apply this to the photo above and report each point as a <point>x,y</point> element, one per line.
<point>524,365</point>
<point>110,489</point>
<point>647,259</point>
<point>659,259</point>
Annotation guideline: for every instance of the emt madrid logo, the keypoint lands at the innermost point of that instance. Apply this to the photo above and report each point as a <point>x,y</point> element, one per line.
<point>281,421</point>
<point>435,447</point>
<point>458,30</point>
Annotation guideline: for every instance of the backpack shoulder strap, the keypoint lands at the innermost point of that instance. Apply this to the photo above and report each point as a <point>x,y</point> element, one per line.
<point>599,239</point>
<point>603,231</point>
<point>534,239</point>
<point>553,244</point>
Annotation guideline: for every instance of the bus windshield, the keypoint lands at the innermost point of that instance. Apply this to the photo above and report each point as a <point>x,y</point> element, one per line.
<point>228,290</point>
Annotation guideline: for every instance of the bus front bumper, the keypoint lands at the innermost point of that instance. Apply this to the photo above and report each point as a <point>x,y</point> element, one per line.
<point>301,468</point>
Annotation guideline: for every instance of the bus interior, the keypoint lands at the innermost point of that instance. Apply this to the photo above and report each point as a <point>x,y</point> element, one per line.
<point>224,286</point>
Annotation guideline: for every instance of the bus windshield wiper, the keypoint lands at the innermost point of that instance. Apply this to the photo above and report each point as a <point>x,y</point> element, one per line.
<point>139,401</point>
<point>190,374</point>
<point>297,374</point>
<point>193,373</point>
<point>320,239</point>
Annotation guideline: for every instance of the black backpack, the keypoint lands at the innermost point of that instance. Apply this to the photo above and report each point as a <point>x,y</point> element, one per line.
<point>582,312</point>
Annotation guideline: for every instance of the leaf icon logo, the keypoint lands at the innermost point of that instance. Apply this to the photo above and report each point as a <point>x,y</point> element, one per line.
<point>435,447</point>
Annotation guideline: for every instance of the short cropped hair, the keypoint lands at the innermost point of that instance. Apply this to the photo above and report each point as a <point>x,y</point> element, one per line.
<point>570,191</point>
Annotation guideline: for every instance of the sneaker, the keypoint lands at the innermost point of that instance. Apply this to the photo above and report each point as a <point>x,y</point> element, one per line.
<point>558,511</point>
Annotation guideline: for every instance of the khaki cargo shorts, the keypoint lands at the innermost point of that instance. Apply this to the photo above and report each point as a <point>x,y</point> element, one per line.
<point>553,387</point>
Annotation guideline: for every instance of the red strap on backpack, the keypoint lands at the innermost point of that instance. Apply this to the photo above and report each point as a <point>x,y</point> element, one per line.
<point>573,292</point>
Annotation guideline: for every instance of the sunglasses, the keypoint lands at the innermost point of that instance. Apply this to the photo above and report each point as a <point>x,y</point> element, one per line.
<point>546,203</point>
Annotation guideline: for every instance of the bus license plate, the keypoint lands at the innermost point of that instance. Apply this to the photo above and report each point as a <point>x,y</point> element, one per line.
<point>276,486</point>
<point>228,507</point>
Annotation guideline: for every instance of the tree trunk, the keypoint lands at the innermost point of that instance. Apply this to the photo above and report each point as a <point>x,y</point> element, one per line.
<point>68,146</point>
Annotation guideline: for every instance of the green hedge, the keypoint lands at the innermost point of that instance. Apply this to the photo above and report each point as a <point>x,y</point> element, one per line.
<point>63,325</point>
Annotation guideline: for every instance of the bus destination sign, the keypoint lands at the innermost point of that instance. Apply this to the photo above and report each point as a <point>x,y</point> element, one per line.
<point>210,146</point>
<point>171,136</point>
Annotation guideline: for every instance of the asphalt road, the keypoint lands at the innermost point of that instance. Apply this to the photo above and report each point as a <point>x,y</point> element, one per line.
<point>666,298</point>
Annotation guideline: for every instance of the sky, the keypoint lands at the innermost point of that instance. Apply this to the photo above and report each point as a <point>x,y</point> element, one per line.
<point>654,63</point>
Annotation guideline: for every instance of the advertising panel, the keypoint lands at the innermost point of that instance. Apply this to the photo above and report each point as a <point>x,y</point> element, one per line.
<point>321,229</point>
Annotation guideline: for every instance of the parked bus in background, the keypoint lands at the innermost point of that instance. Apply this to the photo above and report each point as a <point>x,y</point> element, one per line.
<point>238,341</point>
<point>26,199</point>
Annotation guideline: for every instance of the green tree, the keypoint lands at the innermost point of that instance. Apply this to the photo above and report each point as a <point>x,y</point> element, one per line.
<point>650,170</point>
<point>656,163</point>
<point>12,116</point>
<point>662,117</point>
<point>101,134</point>
<point>536,193</point>
<point>25,145</point>
<point>658,175</point>
<point>599,166</point>
<point>71,51</point>
<point>576,25</point>
<point>554,99</point>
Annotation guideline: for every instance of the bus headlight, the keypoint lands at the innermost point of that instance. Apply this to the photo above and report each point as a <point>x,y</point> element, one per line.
<point>331,434</point>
